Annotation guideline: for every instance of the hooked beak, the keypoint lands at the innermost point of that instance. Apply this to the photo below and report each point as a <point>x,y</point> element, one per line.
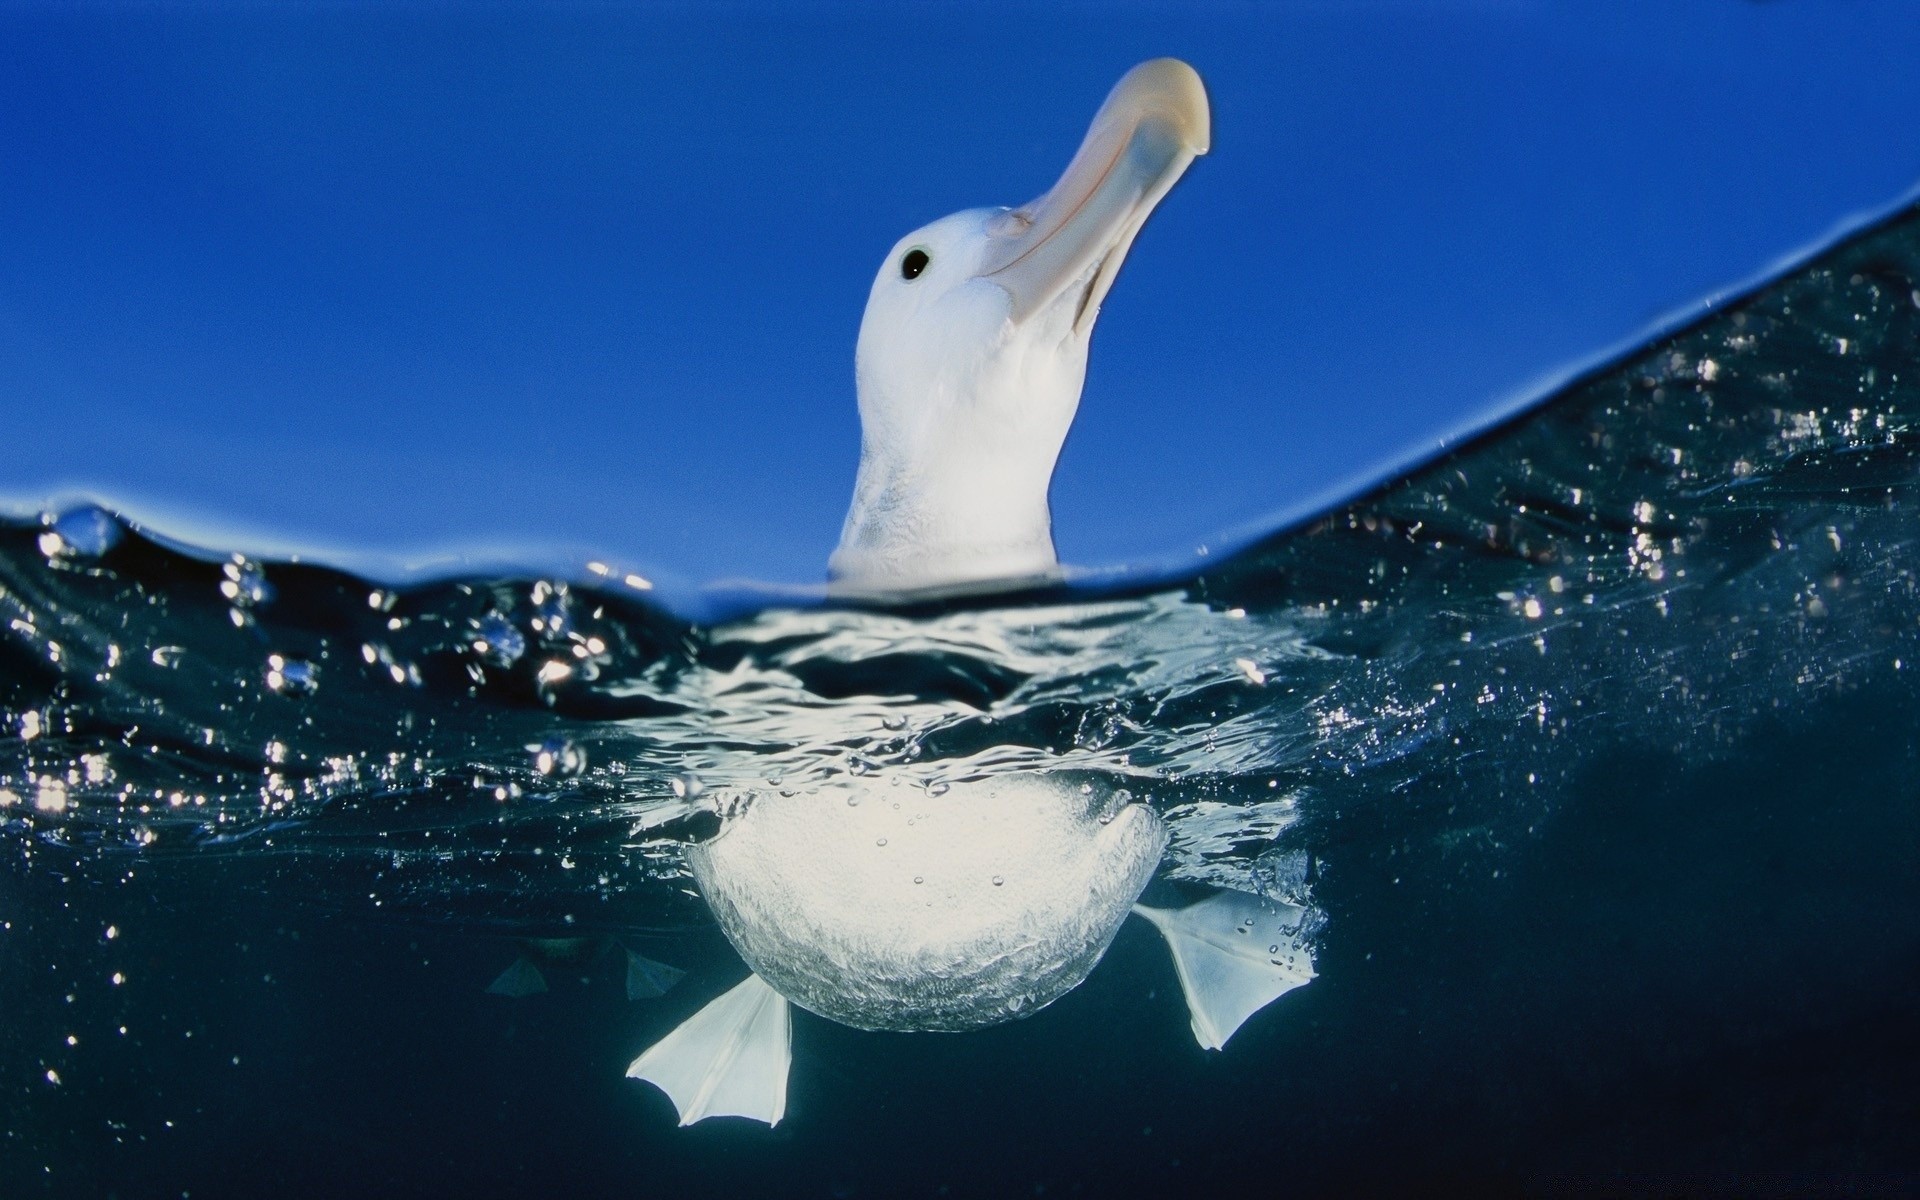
<point>1154,123</point>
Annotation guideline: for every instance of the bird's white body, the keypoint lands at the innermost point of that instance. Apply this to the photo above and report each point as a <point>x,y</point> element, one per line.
<point>888,907</point>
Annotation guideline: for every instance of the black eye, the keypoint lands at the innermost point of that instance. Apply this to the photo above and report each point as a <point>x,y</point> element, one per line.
<point>914,263</point>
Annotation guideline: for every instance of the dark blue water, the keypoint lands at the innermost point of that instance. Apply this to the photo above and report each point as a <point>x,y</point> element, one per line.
<point>1595,744</point>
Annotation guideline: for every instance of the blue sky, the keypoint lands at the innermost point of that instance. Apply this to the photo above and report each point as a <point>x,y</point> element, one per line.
<point>398,283</point>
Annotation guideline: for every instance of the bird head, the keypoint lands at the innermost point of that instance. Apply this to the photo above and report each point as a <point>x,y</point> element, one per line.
<point>973,351</point>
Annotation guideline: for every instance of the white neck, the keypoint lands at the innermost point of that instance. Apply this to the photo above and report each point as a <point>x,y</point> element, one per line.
<point>954,477</point>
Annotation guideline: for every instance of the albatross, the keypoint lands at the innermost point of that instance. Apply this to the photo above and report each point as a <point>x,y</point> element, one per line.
<point>973,352</point>
<point>885,907</point>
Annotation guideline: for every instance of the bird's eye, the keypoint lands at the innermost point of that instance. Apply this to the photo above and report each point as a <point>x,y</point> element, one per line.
<point>915,262</point>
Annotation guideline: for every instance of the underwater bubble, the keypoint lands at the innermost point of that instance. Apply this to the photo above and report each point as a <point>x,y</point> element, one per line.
<point>496,640</point>
<point>858,766</point>
<point>937,788</point>
<point>558,756</point>
<point>245,585</point>
<point>51,794</point>
<point>1098,729</point>
<point>551,617</point>
<point>86,532</point>
<point>291,676</point>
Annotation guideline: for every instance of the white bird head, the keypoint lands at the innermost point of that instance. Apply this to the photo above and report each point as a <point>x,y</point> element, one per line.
<point>973,352</point>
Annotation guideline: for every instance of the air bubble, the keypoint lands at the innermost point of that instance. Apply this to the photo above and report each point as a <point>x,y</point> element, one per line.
<point>86,532</point>
<point>558,757</point>
<point>245,585</point>
<point>291,676</point>
<point>552,617</point>
<point>497,642</point>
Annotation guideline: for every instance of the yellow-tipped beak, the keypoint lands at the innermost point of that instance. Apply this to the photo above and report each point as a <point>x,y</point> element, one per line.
<point>1154,123</point>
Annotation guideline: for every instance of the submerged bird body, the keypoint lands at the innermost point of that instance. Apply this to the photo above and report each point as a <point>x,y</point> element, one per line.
<point>932,912</point>
<point>892,907</point>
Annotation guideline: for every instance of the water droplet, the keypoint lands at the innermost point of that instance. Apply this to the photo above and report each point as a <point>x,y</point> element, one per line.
<point>937,788</point>
<point>558,756</point>
<point>496,641</point>
<point>1274,949</point>
<point>86,532</point>
<point>245,585</point>
<point>858,766</point>
<point>551,615</point>
<point>880,841</point>
<point>291,676</point>
<point>919,878</point>
<point>853,802</point>
<point>998,880</point>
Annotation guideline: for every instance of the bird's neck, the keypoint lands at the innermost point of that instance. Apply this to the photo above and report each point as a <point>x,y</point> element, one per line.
<point>957,450</point>
<point>953,488</point>
<point>944,519</point>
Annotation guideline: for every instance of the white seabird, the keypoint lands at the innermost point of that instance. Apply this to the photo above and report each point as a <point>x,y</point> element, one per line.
<point>973,351</point>
<point>890,907</point>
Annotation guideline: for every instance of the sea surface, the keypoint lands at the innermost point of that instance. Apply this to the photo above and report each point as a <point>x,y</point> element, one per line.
<point>1593,745</point>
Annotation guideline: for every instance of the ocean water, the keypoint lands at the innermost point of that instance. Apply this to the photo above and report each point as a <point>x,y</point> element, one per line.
<point>1593,746</point>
